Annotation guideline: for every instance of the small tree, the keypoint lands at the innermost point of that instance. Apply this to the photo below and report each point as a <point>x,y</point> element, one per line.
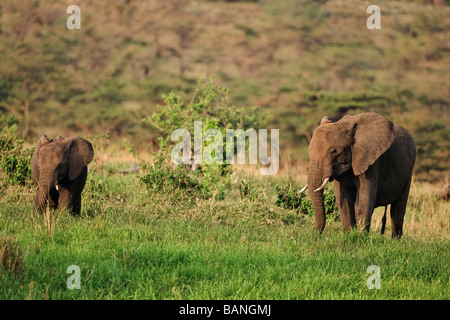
<point>211,105</point>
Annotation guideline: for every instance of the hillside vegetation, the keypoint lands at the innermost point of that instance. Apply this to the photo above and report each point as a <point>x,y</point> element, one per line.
<point>297,59</point>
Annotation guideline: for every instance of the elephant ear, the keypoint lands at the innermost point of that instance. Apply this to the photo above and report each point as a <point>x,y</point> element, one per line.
<point>81,154</point>
<point>42,140</point>
<point>326,119</point>
<point>371,135</point>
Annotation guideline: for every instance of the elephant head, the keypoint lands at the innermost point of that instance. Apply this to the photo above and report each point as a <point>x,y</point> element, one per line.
<point>348,146</point>
<point>56,162</point>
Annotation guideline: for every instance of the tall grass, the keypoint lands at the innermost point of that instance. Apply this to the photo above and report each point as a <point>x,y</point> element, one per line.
<point>132,243</point>
<point>11,257</point>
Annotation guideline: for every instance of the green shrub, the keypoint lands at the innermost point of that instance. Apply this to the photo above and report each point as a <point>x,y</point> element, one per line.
<point>290,198</point>
<point>15,161</point>
<point>211,105</point>
<point>165,177</point>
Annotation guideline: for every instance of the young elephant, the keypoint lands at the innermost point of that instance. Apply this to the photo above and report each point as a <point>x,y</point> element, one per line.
<point>370,161</point>
<point>59,171</point>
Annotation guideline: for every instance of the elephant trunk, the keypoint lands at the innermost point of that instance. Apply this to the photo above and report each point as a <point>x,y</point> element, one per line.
<point>315,185</point>
<point>46,183</point>
<point>41,199</point>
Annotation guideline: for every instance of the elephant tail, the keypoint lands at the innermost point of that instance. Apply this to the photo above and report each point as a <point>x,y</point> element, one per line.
<point>383,221</point>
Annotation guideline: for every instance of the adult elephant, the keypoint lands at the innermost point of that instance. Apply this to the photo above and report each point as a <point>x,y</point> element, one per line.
<point>370,161</point>
<point>59,172</point>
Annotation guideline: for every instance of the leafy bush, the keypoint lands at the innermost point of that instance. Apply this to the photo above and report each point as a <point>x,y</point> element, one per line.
<point>163,176</point>
<point>15,161</point>
<point>290,198</point>
<point>211,106</point>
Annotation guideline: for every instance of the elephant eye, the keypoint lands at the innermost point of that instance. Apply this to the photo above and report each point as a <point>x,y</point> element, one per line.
<point>333,151</point>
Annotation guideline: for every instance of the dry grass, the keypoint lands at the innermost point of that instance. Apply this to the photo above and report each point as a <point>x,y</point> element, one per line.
<point>50,218</point>
<point>427,216</point>
<point>11,256</point>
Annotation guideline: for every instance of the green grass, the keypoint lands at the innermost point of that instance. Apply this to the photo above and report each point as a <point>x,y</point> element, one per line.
<point>132,244</point>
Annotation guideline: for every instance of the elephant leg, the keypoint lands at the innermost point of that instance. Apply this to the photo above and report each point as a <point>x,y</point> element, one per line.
<point>398,209</point>
<point>65,199</point>
<point>80,183</point>
<point>346,204</point>
<point>76,209</point>
<point>366,196</point>
<point>364,212</point>
<point>383,220</point>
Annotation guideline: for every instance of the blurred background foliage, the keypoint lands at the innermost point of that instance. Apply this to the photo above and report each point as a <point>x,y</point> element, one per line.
<point>297,59</point>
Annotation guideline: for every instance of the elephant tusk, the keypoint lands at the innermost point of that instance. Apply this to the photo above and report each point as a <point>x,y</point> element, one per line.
<point>323,184</point>
<point>304,188</point>
<point>57,187</point>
